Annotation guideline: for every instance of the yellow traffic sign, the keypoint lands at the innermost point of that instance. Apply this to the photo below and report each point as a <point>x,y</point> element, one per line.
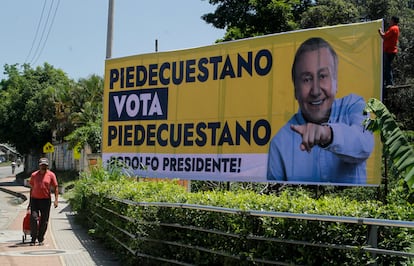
<point>48,148</point>
<point>76,152</point>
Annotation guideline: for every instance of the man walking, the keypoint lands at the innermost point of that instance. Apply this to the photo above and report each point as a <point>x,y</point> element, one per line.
<point>41,182</point>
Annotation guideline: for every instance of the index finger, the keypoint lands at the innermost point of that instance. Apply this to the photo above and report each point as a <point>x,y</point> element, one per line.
<point>297,128</point>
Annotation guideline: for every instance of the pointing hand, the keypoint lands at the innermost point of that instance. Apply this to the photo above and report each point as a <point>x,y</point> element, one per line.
<point>312,134</point>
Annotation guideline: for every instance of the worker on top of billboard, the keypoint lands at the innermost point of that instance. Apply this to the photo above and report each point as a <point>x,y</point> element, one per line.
<point>325,141</point>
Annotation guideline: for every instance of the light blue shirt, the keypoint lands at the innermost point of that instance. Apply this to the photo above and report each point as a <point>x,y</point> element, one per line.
<point>343,161</point>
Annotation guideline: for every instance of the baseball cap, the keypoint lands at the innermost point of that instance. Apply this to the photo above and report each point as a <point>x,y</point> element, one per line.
<point>44,161</point>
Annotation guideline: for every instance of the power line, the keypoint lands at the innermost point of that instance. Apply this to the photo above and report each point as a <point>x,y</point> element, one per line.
<point>37,53</point>
<point>47,26</point>
<point>37,31</point>
<point>48,32</point>
<point>37,38</point>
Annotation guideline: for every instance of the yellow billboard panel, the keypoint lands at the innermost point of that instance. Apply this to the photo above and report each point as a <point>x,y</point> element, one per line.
<point>240,111</point>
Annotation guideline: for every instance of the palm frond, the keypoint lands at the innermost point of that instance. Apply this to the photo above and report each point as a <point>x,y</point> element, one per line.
<point>396,143</point>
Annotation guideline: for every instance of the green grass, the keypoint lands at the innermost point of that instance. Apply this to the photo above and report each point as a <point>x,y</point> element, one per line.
<point>7,163</point>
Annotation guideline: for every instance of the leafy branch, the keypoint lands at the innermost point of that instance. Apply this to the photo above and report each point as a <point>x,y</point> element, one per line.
<point>396,143</point>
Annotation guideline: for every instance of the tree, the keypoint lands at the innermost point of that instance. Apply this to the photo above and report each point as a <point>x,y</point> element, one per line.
<point>86,113</point>
<point>326,13</point>
<point>248,18</point>
<point>43,105</point>
<point>373,9</point>
<point>86,100</point>
<point>27,112</point>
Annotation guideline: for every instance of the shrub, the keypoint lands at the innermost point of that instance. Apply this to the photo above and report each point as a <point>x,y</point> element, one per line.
<point>239,236</point>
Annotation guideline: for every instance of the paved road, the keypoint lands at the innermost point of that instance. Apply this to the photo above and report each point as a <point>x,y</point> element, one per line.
<point>7,170</point>
<point>9,204</point>
<point>66,243</point>
<point>9,208</point>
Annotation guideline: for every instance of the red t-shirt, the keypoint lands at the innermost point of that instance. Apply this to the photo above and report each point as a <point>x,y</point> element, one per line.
<point>391,39</point>
<point>41,184</point>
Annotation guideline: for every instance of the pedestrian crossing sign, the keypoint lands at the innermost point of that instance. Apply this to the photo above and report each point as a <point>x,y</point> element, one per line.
<point>76,152</point>
<point>48,148</point>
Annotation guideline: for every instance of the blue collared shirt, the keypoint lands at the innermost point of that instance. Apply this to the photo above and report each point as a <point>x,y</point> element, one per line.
<point>343,161</point>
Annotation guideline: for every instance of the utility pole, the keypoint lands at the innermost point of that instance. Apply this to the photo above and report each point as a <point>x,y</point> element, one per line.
<point>109,29</point>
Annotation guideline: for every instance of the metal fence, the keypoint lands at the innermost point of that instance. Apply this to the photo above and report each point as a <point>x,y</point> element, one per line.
<point>100,218</point>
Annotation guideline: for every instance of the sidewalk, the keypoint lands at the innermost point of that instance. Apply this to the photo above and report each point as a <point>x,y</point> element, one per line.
<point>66,243</point>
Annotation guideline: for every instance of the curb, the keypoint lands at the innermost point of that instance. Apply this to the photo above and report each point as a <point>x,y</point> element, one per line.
<point>16,194</point>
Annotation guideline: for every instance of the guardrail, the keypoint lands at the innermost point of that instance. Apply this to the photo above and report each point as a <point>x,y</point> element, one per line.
<point>100,219</point>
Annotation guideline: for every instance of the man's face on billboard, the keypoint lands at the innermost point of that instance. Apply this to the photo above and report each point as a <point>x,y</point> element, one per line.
<point>315,84</point>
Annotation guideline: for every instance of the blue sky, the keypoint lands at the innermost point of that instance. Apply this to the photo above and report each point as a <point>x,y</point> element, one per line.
<point>76,41</point>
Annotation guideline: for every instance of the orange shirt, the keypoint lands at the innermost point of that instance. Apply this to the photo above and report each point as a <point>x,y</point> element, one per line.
<point>391,39</point>
<point>41,184</point>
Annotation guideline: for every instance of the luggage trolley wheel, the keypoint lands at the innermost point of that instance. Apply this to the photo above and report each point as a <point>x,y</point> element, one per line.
<point>26,226</point>
<point>24,236</point>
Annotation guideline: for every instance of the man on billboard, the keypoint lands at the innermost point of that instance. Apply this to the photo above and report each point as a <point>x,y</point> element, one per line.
<point>325,141</point>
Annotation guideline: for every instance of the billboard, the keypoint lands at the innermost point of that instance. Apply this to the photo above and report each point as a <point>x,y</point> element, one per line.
<point>217,112</point>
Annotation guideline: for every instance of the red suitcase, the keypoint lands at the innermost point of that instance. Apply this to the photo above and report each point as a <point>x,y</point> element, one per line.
<point>26,225</point>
